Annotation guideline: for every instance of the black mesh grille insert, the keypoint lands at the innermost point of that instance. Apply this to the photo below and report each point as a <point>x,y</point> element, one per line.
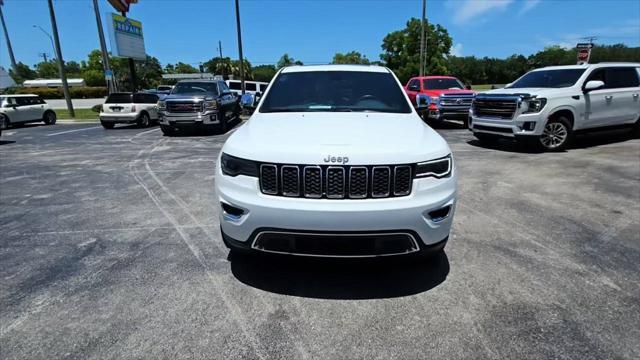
<point>358,182</point>
<point>290,181</point>
<point>269,179</point>
<point>402,180</point>
<point>380,181</point>
<point>313,181</point>
<point>335,182</point>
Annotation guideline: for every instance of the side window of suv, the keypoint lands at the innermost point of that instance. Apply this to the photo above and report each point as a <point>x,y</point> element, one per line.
<point>223,87</point>
<point>23,101</point>
<point>413,84</point>
<point>622,77</point>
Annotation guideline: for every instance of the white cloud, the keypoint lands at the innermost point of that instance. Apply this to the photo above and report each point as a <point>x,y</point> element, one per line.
<point>456,50</point>
<point>470,10</point>
<point>528,5</point>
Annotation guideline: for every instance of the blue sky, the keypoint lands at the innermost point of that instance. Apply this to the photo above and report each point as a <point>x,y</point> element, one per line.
<point>312,31</point>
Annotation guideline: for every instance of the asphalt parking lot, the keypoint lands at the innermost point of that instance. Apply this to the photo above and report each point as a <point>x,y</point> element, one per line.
<point>110,248</point>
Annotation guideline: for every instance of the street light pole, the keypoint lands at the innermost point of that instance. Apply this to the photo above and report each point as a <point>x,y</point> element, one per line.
<point>6,36</point>
<point>422,38</point>
<point>103,48</point>
<point>240,47</point>
<point>63,75</point>
<point>48,35</point>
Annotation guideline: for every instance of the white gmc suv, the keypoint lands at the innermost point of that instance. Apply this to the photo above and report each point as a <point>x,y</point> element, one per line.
<point>336,162</point>
<point>546,107</point>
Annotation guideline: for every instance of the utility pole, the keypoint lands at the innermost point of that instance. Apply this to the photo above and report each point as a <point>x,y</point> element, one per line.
<point>47,34</point>
<point>239,47</point>
<point>63,75</point>
<point>108,74</point>
<point>220,48</point>
<point>6,36</point>
<point>424,5</point>
<point>43,55</point>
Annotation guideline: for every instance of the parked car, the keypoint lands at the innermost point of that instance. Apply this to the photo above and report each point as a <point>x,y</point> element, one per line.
<point>22,109</point>
<point>3,123</point>
<point>448,98</point>
<point>547,106</point>
<point>128,108</point>
<point>206,104</point>
<point>164,88</point>
<point>335,161</point>
<point>251,87</point>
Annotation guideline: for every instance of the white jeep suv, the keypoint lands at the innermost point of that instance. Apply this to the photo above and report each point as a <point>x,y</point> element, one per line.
<point>22,109</point>
<point>335,161</point>
<point>547,106</point>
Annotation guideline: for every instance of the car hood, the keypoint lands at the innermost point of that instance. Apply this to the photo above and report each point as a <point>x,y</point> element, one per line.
<point>448,92</point>
<point>309,138</point>
<point>188,97</point>
<point>540,92</point>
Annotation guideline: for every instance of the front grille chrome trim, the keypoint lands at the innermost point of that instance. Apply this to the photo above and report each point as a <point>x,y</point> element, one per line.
<point>304,182</point>
<point>366,182</point>
<point>414,248</point>
<point>329,195</point>
<point>269,192</point>
<point>395,180</point>
<point>282,179</point>
<point>373,178</point>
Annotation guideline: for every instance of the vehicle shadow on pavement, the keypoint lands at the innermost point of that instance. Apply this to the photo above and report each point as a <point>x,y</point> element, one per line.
<point>346,279</point>
<point>581,141</point>
<point>6,142</point>
<point>447,125</point>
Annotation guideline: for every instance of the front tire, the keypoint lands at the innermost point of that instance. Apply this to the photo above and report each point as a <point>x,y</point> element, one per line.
<point>636,129</point>
<point>107,125</point>
<point>49,118</point>
<point>143,120</point>
<point>557,134</point>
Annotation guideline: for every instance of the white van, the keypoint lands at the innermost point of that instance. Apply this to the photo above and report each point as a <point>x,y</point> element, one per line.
<point>251,87</point>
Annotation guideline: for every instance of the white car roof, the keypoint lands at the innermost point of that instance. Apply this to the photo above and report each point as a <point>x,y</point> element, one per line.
<point>362,68</point>
<point>18,95</point>
<point>590,66</point>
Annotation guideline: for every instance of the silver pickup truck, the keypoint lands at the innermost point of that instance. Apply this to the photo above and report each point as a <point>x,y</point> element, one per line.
<point>198,104</point>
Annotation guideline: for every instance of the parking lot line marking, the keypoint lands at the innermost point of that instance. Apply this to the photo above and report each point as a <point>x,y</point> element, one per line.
<point>76,130</point>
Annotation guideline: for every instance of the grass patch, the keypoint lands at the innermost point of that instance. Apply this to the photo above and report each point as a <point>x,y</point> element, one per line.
<point>81,114</point>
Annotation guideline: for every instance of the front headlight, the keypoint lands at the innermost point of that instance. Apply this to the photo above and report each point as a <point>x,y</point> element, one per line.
<point>535,105</point>
<point>438,168</point>
<point>211,105</point>
<point>234,166</point>
<point>162,105</point>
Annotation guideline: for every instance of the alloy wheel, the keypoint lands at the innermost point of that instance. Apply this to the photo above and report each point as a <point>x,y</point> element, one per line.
<point>554,135</point>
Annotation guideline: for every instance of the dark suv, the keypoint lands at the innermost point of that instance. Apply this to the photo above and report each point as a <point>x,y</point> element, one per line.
<point>192,104</point>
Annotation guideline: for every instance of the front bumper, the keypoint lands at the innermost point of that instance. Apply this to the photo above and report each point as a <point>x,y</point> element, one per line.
<point>124,118</point>
<point>441,114</point>
<point>189,119</point>
<point>407,214</point>
<point>520,125</point>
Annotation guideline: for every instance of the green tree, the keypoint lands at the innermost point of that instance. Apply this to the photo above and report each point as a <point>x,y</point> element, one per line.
<point>286,60</point>
<point>219,66</point>
<point>246,68</point>
<point>352,57</point>
<point>402,50</point>
<point>48,69</point>
<point>72,68</point>
<point>264,72</point>
<point>22,72</point>
<point>93,77</point>
<point>180,68</point>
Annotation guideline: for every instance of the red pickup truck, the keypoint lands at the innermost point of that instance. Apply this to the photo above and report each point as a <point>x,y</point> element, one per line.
<point>448,97</point>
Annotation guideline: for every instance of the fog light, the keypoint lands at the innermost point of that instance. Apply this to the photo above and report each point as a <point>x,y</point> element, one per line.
<point>231,212</point>
<point>440,214</point>
<point>529,125</point>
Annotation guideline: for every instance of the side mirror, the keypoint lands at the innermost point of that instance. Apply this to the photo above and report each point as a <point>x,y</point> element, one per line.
<point>414,87</point>
<point>422,101</point>
<point>593,85</point>
<point>508,85</point>
<point>247,101</point>
<point>468,87</point>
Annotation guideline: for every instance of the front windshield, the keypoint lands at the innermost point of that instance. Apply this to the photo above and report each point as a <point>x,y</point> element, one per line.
<point>442,84</point>
<point>335,91</point>
<point>196,88</point>
<point>548,79</point>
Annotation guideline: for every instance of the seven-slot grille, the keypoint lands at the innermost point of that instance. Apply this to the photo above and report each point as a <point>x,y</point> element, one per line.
<point>495,108</point>
<point>336,182</point>
<point>184,107</point>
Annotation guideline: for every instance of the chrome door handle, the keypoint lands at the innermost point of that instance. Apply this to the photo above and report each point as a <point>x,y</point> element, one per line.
<point>608,97</point>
